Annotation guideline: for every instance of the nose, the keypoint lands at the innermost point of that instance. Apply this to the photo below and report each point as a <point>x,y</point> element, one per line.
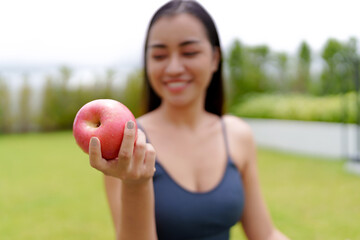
<point>174,66</point>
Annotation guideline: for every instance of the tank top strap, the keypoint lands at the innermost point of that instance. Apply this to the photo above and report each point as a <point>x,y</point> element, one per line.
<point>225,137</point>
<point>223,127</point>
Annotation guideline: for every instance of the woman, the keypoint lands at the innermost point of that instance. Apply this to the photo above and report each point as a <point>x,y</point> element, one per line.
<point>206,178</point>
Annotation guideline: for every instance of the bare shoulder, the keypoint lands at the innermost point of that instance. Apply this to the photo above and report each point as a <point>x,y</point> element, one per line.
<point>147,119</point>
<point>237,128</point>
<point>240,139</point>
<point>144,118</point>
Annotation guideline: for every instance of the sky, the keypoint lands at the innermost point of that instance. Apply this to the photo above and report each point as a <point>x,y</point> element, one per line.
<point>112,32</point>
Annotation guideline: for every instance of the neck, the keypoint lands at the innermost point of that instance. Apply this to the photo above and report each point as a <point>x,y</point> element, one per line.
<point>184,116</point>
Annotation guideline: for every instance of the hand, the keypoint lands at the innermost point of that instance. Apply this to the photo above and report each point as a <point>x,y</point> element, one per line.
<point>135,162</point>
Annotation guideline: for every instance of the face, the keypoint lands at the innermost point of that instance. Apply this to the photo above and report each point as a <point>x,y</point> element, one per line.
<point>180,59</point>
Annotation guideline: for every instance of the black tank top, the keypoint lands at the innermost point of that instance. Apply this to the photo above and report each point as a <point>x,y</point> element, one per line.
<point>186,215</point>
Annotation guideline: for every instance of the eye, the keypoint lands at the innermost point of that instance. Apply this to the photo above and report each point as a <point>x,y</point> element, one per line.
<point>190,54</point>
<point>159,56</point>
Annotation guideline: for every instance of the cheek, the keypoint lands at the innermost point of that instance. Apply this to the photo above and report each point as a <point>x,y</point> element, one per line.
<point>153,67</point>
<point>203,70</point>
<point>153,73</point>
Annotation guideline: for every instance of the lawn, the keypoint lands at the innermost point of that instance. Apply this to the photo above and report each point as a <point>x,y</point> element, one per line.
<point>49,191</point>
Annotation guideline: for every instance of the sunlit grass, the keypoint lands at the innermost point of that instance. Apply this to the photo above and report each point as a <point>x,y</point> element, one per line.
<point>49,191</point>
<point>309,198</point>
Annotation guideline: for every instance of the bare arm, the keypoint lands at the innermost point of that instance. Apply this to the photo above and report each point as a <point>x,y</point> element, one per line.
<point>256,220</point>
<point>128,184</point>
<point>112,189</point>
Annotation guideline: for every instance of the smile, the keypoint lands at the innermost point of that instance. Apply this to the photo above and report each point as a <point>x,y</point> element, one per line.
<point>177,86</point>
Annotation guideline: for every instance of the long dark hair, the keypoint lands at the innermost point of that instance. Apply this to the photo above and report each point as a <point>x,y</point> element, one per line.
<point>214,100</point>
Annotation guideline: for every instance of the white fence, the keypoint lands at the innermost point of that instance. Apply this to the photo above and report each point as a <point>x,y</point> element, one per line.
<point>331,140</point>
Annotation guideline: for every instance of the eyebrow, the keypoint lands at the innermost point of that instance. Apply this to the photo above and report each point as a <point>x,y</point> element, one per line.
<point>185,43</point>
<point>189,42</point>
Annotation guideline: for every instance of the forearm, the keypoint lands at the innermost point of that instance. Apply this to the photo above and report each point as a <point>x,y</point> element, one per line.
<point>129,185</point>
<point>137,213</point>
<point>112,188</point>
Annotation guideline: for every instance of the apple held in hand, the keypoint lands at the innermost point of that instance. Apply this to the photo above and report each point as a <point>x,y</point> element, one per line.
<point>104,119</point>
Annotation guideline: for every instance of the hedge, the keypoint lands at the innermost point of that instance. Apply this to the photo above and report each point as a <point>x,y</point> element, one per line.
<point>331,108</point>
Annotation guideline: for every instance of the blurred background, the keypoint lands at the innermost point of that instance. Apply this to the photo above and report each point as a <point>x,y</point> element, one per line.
<point>55,56</point>
<point>293,63</point>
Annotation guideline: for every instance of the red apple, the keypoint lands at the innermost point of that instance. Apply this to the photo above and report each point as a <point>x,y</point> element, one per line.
<point>104,119</point>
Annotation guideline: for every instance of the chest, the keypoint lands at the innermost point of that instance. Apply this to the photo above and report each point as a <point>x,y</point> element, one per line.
<point>200,215</point>
<point>195,161</point>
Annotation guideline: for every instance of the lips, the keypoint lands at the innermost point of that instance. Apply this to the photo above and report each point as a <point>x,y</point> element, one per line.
<point>176,86</point>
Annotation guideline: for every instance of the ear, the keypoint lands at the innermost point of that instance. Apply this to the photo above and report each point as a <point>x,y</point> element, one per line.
<point>216,59</point>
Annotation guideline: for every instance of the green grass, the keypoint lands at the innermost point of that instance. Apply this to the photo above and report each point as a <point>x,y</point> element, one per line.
<point>49,191</point>
<point>309,198</point>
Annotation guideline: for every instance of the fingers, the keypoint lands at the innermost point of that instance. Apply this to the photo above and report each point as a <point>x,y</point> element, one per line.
<point>127,145</point>
<point>96,160</point>
<point>150,160</point>
<point>143,159</point>
<point>139,152</point>
<point>135,161</point>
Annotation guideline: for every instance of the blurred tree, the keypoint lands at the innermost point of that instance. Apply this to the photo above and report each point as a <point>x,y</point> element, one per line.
<point>330,80</point>
<point>131,96</point>
<point>65,99</point>
<point>281,60</point>
<point>303,80</point>
<point>65,75</point>
<point>346,66</point>
<point>49,113</point>
<point>346,71</point>
<point>5,111</point>
<point>58,102</point>
<point>24,116</point>
<point>257,60</point>
<point>247,70</point>
<point>61,102</point>
<point>109,80</point>
<point>236,72</point>
<point>338,72</point>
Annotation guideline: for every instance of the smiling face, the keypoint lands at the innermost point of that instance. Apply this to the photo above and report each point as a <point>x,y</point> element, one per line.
<point>180,59</point>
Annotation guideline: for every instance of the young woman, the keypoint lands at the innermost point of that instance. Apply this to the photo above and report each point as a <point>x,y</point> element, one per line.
<point>191,173</point>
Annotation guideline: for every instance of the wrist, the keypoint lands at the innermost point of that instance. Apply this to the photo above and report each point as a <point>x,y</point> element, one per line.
<point>136,186</point>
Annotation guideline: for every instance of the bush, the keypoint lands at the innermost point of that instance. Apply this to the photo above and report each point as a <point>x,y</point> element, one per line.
<point>332,108</point>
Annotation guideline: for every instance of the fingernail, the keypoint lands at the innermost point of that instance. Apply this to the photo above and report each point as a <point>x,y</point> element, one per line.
<point>130,125</point>
<point>93,141</point>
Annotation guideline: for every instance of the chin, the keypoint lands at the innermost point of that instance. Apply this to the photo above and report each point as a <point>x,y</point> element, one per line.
<point>183,102</point>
